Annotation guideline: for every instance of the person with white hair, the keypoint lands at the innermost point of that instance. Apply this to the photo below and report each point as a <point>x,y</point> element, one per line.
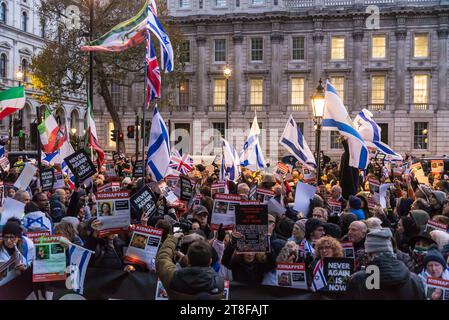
<point>440,237</point>
<point>373,223</point>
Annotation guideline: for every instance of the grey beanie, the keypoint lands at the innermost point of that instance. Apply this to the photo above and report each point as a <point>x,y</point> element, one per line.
<point>379,240</point>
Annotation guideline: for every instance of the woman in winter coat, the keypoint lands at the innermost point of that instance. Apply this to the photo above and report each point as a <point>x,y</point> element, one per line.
<point>434,266</point>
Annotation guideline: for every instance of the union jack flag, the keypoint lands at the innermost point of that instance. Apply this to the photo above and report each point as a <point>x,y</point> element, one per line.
<point>153,72</point>
<point>182,163</point>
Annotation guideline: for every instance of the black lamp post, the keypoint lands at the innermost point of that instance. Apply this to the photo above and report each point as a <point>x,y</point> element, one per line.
<point>227,72</point>
<point>318,111</point>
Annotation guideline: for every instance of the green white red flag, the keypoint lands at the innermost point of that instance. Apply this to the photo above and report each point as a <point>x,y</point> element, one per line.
<point>91,130</point>
<point>51,134</point>
<point>11,101</point>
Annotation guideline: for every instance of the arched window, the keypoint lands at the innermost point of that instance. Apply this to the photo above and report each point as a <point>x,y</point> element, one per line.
<point>25,70</point>
<point>24,21</point>
<point>3,65</point>
<point>3,12</point>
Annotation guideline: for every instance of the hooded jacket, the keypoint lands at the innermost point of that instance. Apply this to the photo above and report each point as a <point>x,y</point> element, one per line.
<point>187,283</point>
<point>396,282</point>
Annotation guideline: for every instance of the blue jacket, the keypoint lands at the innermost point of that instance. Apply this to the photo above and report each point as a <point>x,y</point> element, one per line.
<point>359,213</point>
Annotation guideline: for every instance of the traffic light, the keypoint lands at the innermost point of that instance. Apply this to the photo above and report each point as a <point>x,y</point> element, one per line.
<point>114,135</point>
<point>120,136</point>
<point>130,134</point>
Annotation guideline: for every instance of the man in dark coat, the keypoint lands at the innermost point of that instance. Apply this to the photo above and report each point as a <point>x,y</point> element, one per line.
<point>394,282</point>
<point>349,176</point>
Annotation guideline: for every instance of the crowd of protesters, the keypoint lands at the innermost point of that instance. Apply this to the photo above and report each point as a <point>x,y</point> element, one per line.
<point>194,262</point>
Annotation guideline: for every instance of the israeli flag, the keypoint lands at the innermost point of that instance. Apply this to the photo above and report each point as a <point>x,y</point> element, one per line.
<point>2,151</point>
<point>159,150</point>
<point>336,117</point>
<point>51,159</point>
<point>79,260</point>
<point>154,25</point>
<point>251,155</point>
<point>319,280</point>
<point>293,140</point>
<point>230,162</point>
<point>370,132</point>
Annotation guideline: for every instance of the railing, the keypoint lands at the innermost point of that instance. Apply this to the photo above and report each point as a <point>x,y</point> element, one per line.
<point>297,108</point>
<point>420,107</point>
<point>377,107</point>
<point>217,108</point>
<point>255,107</point>
<point>299,3</point>
<point>331,3</point>
<point>181,108</point>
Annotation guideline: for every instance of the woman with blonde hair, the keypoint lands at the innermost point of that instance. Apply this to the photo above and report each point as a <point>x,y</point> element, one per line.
<point>328,247</point>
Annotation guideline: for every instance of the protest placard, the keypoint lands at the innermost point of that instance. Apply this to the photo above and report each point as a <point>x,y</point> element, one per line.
<point>309,175</point>
<point>26,176</point>
<point>282,168</point>
<point>49,263</point>
<point>348,249</point>
<point>172,181</point>
<point>111,186</point>
<point>275,207</point>
<point>59,180</point>
<point>374,188</point>
<point>223,211</point>
<point>263,195</point>
<point>113,210</point>
<point>371,202</point>
<point>138,169</point>
<point>47,179</point>
<point>434,225</point>
<point>337,272</point>
<point>169,195</point>
<point>7,271</point>
<point>186,189</point>
<point>144,201</point>
<point>437,166</point>
<point>334,207</point>
<point>110,170</point>
<point>437,289</point>
<point>12,209</point>
<point>143,246</point>
<point>81,165</point>
<point>291,275</point>
<point>419,173</point>
<point>35,235</point>
<point>252,223</point>
<point>218,187</point>
<point>304,192</point>
<point>383,200</point>
<point>4,164</point>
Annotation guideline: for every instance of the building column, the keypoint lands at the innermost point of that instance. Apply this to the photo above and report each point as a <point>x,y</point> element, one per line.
<point>317,52</point>
<point>276,52</point>
<point>202,85</point>
<point>442,68</point>
<point>401,35</point>
<point>237,71</point>
<point>357,71</point>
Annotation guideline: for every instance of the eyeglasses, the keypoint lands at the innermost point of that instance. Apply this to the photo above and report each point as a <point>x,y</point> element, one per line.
<point>326,248</point>
<point>10,237</point>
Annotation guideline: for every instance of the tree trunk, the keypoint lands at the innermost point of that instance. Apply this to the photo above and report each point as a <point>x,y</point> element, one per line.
<point>105,93</point>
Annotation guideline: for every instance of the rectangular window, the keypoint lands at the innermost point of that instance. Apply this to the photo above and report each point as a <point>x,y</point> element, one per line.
<point>257,49</point>
<point>379,47</point>
<point>182,137</point>
<point>184,93</point>
<point>421,135</point>
<point>184,3</point>
<point>256,91</point>
<point>111,144</point>
<point>421,46</point>
<point>420,89</point>
<point>339,84</point>
<point>220,50</point>
<point>257,2</point>
<point>219,132</point>
<point>139,93</point>
<point>220,3</point>
<point>378,90</point>
<point>298,48</point>
<point>338,48</point>
<point>383,132</point>
<point>335,140</point>
<point>297,91</point>
<point>219,92</point>
<point>116,95</point>
<point>185,51</point>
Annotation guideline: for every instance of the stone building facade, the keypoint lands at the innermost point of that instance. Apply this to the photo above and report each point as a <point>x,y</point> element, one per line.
<point>396,66</point>
<point>22,36</point>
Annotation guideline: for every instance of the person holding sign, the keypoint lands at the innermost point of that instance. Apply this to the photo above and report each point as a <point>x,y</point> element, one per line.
<point>396,281</point>
<point>434,266</point>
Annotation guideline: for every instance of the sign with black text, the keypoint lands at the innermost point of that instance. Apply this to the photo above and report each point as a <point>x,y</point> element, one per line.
<point>337,272</point>
<point>47,179</point>
<point>138,169</point>
<point>81,165</point>
<point>186,189</point>
<point>144,201</point>
<point>252,222</point>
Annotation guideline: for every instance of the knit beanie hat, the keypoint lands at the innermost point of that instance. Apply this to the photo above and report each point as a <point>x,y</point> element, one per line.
<point>311,225</point>
<point>301,224</point>
<point>333,230</point>
<point>285,227</point>
<point>379,240</point>
<point>374,223</point>
<point>12,227</point>
<point>434,255</point>
<point>421,217</point>
<point>355,202</point>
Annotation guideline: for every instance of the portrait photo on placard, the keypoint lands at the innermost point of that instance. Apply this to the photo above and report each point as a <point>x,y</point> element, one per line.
<point>139,241</point>
<point>221,207</point>
<point>105,208</point>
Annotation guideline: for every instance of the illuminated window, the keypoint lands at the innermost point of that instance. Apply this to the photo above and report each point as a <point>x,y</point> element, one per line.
<point>111,144</point>
<point>379,46</point>
<point>339,85</point>
<point>335,140</point>
<point>420,135</point>
<point>378,90</point>
<point>219,92</point>
<point>184,96</point>
<point>420,89</point>
<point>297,91</point>
<point>338,48</point>
<point>421,46</point>
<point>256,91</point>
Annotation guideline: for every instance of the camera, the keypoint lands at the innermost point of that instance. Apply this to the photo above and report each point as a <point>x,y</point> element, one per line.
<point>183,225</point>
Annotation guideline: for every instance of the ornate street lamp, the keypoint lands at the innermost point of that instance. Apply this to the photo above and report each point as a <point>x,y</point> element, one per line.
<point>318,112</point>
<point>227,72</point>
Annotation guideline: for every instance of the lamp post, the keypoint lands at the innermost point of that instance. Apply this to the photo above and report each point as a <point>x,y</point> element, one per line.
<point>227,72</point>
<point>19,78</point>
<point>318,111</point>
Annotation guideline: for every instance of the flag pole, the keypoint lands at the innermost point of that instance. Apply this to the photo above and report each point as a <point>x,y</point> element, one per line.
<point>145,103</point>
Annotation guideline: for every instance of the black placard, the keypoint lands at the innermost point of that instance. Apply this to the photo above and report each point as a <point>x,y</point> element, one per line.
<point>138,169</point>
<point>81,165</point>
<point>47,177</point>
<point>186,189</point>
<point>252,222</point>
<point>337,272</point>
<point>144,200</point>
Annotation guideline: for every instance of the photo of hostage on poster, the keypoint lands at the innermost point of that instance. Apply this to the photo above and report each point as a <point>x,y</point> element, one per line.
<point>49,263</point>
<point>437,289</point>
<point>223,211</point>
<point>113,212</point>
<point>291,275</point>
<point>143,246</point>
<point>264,195</point>
<point>252,225</point>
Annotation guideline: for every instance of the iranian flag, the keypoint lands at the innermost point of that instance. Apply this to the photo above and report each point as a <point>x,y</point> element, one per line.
<point>91,130</point>
<point>124,35</point>
<point>52,136</point>
<point>11,100</point>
